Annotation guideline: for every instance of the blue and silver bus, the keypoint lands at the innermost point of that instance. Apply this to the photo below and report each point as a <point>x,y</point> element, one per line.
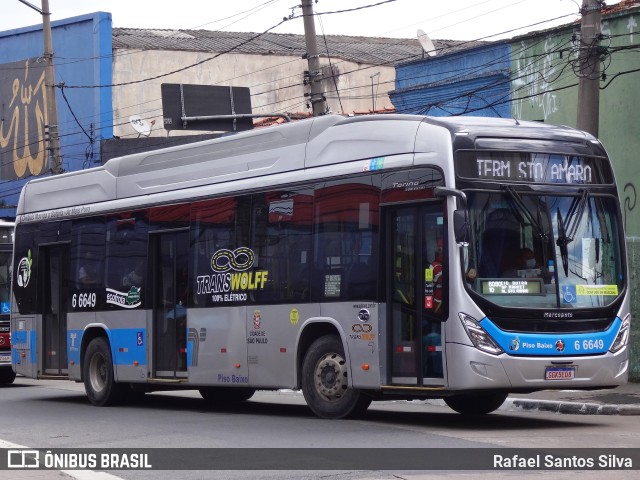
<point>355,259</point>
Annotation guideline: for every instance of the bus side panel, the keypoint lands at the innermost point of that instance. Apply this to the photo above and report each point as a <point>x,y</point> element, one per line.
<point>24,345</point>
<point>128,336</point>
<point>217,346</point>
<point>272,331</point>
<point>362,341</point>
<point>76,322</point>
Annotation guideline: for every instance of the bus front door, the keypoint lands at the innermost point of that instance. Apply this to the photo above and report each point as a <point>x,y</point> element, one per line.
<point>415,303</point>
<point>54,287</point>
<point>169,260</point>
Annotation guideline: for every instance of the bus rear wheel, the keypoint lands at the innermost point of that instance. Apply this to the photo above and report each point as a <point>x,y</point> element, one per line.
<point>98,375</point>
<point>325,381</point>
<point>479,404</point>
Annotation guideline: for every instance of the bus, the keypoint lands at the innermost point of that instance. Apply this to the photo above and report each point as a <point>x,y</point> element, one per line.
<point>354,259</point>
<point>7,374</point>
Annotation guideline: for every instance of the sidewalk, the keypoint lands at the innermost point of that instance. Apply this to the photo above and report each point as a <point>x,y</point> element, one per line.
<point>623,400</point>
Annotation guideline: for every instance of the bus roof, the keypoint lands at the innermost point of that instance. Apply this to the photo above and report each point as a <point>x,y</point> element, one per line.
<point>306,144</point>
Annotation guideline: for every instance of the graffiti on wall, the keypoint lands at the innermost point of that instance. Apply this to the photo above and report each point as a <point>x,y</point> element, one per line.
<point>533,78</point>
<point>630,196</point>
<point>23,116</point>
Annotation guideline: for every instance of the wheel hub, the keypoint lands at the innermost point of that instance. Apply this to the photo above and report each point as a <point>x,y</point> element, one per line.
<point>331,376</point>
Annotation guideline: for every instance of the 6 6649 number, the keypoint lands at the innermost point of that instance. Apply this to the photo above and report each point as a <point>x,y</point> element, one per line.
<point>590,344</point>
<point>83,300</point>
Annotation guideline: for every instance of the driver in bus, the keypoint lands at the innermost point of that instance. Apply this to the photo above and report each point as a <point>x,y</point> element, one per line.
<point>525,261</point>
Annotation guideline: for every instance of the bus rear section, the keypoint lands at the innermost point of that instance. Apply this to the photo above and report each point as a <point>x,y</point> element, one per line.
<point>7,374</point>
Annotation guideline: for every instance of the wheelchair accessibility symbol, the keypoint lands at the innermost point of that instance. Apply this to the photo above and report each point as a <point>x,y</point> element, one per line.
<point>569,294</point>
<point>140,338</point>
<point>5,307</point>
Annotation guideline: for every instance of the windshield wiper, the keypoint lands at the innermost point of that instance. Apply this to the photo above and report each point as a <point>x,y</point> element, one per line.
<point>567,233</point>
<point>522,208</point>
<point>562,242</point>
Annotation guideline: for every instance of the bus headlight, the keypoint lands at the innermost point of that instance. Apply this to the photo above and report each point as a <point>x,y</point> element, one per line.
<point>623,335</point>
<point>478,336</point>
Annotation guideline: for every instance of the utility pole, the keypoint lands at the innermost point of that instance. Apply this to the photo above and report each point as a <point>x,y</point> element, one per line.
<point>589,70</point>
<point>317,98</point>
<point>49,78</point>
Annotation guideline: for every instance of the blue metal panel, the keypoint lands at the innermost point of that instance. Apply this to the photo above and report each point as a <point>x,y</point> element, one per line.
<point>469,82</point>
<point>82,57</point>
<point>128,345</point>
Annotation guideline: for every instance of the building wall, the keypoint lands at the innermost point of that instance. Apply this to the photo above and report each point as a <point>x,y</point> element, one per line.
<point>470,82</point>
<point>82,56</point>
<point>276,83</point>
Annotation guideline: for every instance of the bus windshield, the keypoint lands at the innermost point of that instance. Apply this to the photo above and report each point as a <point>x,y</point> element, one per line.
<point>540,250</point>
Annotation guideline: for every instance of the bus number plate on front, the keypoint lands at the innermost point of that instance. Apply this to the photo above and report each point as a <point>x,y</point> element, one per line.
<point>5,357</point>
<point>559,373</point>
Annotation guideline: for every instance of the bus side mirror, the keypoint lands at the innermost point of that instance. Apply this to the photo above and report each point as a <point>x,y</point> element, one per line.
<point>461,226</point>
<point>460,216</point>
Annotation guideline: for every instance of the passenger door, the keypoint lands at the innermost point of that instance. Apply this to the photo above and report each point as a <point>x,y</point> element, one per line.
<point>416,293</point>
<point>54,289</point>
<point>169,260</point>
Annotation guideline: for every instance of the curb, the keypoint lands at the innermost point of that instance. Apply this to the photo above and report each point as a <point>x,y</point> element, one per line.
<point>570,408</point>
<point>550,406</point>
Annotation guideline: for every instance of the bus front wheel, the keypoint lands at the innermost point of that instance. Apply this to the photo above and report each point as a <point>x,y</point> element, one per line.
<point>325,381</point>
<point>478,404</point>
<point>98,375</point>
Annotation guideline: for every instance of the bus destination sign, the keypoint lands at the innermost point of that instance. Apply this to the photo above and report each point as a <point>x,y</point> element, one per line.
<point>511,286</point>
<point>534,168</point>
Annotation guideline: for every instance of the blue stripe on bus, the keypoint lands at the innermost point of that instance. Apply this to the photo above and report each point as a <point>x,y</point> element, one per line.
<point>73,346</point>
<point>553,344</point>
<point>20,340</point>
<point>127,345</point>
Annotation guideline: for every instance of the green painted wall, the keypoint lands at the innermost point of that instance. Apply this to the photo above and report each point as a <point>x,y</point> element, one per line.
<point>544,87</point>
<point>633,253</point>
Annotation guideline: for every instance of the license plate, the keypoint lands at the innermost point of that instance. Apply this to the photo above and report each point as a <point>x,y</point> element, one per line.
<point>5,357</point>
<point>559,373</point>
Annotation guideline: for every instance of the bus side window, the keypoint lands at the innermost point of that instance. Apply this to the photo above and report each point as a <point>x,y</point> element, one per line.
<point>87,253</point>
<point>127,244</point>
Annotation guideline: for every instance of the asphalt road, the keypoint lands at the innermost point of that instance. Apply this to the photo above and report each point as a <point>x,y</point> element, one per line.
<point>56,414</point>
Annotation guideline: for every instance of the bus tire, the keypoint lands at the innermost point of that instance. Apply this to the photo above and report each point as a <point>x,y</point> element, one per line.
<point>7,376</point>
<point>219,396</point>
<point>478,404</point>
<point>325,381</point>
<point>98,375</point>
